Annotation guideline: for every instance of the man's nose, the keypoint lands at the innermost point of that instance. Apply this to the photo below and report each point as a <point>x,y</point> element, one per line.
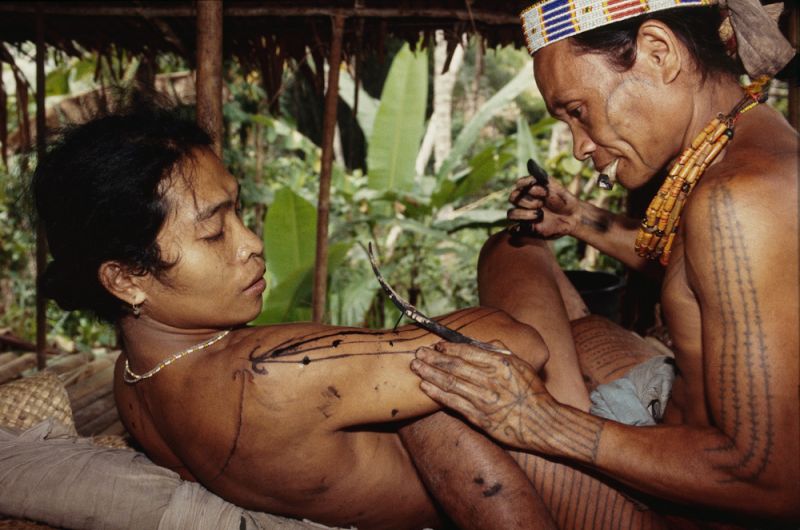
<point>582,144</point>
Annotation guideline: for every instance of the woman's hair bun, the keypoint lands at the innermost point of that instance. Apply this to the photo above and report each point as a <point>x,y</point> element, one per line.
<point>58,283</point>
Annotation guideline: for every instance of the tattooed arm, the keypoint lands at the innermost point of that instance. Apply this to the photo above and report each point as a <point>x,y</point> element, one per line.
<point>348,377</point>
<point>342,379</point>
<point>743,456</point>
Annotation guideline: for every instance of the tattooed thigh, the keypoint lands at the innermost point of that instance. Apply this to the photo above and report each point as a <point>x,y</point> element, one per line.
<point>580,501</point>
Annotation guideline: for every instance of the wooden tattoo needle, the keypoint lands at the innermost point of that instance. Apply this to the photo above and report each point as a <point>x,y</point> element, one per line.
<point>421,320</point>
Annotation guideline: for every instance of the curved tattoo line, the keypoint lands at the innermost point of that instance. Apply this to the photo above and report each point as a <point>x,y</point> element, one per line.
<point>451,320</point>
<point>718,256</point>
<point>239,423</point>
<point>289,348</point>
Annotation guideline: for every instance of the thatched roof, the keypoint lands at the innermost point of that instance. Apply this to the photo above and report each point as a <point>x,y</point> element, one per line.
<point>262,35</point>
<point>170,26</point>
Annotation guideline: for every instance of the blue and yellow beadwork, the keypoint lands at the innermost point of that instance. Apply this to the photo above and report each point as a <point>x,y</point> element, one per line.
<point>550,21</point>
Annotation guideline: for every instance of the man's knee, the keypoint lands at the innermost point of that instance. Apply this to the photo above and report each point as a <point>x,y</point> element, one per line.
<point>504,256</point>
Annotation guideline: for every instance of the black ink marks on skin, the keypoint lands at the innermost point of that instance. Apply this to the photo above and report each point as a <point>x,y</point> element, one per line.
<point>493,490</point>
<point>331,394</point>
<point>601,224</point>
<point>319,490</point>
<point>744,402</point>
<point>246,377</point>
<point>394,412</point>
<point>318,342</point>
<point>563,430</point>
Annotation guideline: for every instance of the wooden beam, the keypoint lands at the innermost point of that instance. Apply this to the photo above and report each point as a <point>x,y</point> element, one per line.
<point>151,10</point>
<point>41,241</point>
<point>209,69</point>
<point>323,203</point>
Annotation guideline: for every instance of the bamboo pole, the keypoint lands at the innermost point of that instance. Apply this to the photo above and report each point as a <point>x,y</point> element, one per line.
<point>209,69</point>
<point>323,203</point>
<point>41,242</point>
<point>11,370</point>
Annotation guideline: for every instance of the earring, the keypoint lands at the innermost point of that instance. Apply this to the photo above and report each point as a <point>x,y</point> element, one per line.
<point>136,309</point>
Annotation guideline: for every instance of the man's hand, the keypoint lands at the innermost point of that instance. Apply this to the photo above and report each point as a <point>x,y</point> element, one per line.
<point>551,208</point>
<point>499,393</point>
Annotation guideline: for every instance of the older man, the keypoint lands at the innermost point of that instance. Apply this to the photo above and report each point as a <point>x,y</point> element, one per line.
<point>654,91</point>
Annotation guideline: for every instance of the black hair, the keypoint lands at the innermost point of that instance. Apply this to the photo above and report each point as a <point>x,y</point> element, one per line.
<point>99,192</point>
<point>696,27</point>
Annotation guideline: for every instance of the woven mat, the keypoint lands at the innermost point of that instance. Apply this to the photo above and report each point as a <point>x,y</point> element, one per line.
<point>28,401</point>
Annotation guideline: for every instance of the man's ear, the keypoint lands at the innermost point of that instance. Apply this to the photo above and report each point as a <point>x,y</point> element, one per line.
<point>121,282</point>
<point>658,49</point>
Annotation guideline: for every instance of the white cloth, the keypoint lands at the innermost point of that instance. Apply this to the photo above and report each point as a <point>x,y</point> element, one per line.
<point>49,475</point>
<point>640,396</point>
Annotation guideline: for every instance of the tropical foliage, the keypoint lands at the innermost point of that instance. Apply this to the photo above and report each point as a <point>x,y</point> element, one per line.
<point>426,218</point>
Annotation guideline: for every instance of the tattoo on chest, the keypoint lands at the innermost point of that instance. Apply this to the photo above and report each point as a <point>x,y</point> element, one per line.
<point>744,404</point>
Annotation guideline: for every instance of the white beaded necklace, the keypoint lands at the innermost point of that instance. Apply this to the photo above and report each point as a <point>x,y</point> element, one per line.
<point>129,377</point>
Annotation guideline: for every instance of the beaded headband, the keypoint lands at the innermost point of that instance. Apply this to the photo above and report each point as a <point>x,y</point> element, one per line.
<point>550,21</point>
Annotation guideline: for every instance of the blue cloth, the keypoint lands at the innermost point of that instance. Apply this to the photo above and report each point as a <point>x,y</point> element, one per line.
<point>640,396</point>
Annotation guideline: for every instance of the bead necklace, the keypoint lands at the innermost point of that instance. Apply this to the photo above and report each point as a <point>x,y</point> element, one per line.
<point>131,377</point>
<point>660,225</point>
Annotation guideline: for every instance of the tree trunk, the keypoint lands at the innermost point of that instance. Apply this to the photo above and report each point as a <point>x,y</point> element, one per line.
<point>438,139</point>
<point>209,70</point>
<point>323,204</point>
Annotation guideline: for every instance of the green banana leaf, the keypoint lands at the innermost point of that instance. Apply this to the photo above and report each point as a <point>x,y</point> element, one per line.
<point>290,299</point>
<point>399,123</point>
<point>522,81</point>
<point>290,230</point>
<point>483,166</point>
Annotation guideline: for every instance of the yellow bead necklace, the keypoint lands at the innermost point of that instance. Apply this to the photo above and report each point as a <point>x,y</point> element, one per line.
<point>660,224</point>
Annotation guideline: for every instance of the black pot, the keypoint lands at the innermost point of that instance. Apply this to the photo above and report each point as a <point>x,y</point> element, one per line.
<point>601,291</point>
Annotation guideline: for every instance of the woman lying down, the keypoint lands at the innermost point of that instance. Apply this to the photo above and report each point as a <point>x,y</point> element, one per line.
<point>302,419</point>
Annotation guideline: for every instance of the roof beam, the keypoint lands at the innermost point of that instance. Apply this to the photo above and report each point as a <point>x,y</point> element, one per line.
<point>149,10</point>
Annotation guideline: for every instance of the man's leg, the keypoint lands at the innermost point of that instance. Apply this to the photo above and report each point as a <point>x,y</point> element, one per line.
<point>578,500</point>
<point>521,277</point>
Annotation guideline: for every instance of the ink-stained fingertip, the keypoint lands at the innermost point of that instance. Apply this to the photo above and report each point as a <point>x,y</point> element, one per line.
<point>422,352</point>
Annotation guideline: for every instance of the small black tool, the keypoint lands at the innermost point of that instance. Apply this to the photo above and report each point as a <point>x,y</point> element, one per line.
<point>536,171</point>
